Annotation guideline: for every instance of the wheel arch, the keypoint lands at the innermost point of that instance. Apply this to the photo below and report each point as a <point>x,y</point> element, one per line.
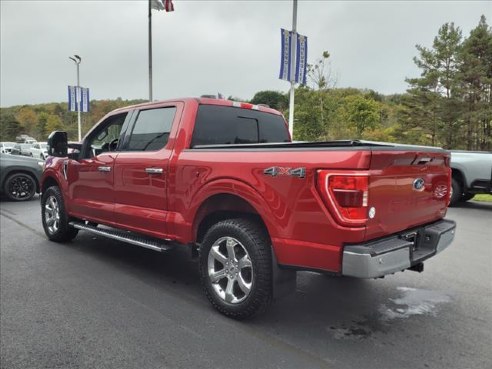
<point>458,175</point>
<point>49,181</point>
<point>222,206</point>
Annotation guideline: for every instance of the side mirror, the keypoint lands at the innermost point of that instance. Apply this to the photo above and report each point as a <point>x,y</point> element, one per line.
<point>74,151</point>
<point>58,144</point>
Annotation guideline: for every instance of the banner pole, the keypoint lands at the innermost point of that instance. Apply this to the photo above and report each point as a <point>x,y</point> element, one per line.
<point>292,74</point>
<point>79,103</point>
<point>150,50</point>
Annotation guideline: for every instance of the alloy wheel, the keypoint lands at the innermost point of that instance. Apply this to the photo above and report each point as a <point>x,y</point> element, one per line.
<point>52,214</point>
<point>230,270</point>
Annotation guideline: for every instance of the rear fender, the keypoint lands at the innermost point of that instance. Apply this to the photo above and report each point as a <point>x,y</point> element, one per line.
<point>186,229</point>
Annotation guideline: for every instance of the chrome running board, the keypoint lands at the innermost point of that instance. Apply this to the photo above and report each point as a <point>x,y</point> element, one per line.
<point>125,236</point>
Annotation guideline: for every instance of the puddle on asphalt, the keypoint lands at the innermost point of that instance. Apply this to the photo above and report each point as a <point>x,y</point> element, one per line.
<point>412,301</point>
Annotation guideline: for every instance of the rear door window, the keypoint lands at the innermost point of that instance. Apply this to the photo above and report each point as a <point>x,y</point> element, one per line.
<point>151,129</point>
<point>225,125</point>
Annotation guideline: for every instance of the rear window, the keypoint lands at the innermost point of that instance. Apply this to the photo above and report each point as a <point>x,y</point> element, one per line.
<point>225,125</point>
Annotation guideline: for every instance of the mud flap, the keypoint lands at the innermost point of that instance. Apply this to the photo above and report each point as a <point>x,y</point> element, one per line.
<point>284,280</point>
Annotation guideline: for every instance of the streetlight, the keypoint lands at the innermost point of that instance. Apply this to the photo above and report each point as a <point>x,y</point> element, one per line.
<point>77,60</point>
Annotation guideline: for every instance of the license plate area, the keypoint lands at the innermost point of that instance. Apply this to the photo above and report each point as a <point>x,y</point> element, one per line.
<point>423,245</point>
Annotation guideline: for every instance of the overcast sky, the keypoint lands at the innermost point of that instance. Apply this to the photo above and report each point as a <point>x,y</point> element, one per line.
<point>206,47</point>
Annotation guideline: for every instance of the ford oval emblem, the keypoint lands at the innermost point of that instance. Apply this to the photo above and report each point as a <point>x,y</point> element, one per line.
<point>419,184</point>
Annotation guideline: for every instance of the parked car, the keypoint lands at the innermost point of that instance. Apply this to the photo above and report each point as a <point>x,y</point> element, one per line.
<point>472,174</point>
<point>25,139</point>
<point>6,147</point>
<point>223,178</point>
<point>22,149</point>
<point>39,150</point>
<point>20,176</point>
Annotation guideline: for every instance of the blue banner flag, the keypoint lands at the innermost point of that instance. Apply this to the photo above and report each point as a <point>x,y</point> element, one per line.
<point>78,99</point>
<point>301,59</point>
<point>285,56</point>
<point>71,99</point>
<point>84,101</point>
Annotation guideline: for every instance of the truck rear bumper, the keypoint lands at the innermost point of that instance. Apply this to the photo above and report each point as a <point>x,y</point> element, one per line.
<point>397,252</point>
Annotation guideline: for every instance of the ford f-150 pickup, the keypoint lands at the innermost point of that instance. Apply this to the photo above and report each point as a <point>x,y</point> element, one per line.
<point>224,178</point>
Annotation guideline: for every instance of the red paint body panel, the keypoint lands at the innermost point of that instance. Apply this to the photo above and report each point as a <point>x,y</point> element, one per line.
<point>304,231</point>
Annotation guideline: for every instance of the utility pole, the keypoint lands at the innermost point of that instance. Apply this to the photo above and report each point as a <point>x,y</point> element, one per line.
<point>78,95</point>
<point>292,77</point>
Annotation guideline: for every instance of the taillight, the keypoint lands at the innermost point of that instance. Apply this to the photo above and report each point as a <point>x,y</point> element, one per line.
<point>346,195</point>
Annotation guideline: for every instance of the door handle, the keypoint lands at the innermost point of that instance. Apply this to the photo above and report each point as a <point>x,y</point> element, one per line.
<point>104,169</point>
<point>154,170</point>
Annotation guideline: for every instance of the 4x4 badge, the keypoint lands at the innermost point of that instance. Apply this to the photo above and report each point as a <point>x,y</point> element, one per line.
<point>283,171</point>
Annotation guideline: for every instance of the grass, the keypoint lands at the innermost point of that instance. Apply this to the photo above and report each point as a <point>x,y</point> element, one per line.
<point>483,197</point>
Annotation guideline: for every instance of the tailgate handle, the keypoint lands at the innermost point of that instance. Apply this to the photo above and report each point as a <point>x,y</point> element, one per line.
<point>154,170</point>
<point>424,160</point>
<point>104,169</point>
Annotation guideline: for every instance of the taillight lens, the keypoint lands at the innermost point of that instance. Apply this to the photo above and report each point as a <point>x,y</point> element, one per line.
<point>346,195</point>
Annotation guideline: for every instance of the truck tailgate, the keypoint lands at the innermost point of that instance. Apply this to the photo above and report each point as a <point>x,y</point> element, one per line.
<point>406,189</point>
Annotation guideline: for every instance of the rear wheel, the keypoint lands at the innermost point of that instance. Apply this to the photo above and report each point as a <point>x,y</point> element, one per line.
<point>54,216</point>
<point>236,268</point>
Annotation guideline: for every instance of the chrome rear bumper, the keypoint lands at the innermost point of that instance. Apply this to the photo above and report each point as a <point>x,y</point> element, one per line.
<point>397,252</point>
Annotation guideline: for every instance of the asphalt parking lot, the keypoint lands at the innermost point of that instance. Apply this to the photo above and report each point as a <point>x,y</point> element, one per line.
<point>98,303</point>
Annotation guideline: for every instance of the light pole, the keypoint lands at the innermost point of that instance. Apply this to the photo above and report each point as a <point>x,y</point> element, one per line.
<point>292,79</point>
<point>77,60</point>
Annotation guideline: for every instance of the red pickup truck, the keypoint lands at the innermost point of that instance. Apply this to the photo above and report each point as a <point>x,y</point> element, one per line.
<point>224,178</point>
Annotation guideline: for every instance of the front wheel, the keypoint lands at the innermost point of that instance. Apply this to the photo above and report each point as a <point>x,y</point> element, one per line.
<point>236,268</point>
<point>456,192</point>
<point>54,216</point>
<point>20,187</point>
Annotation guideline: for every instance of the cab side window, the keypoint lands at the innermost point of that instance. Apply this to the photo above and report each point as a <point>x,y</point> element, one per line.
<point>151,129</point>
<point>106,137</point>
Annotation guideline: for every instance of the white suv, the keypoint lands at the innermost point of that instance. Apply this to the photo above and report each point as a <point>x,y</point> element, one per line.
<point>39,150</point>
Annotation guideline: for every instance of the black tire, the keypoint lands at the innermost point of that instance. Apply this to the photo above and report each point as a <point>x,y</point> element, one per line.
<point>54,216</point>
<point>456,192</point>
<point>20,187</point>
<point>253,244</point>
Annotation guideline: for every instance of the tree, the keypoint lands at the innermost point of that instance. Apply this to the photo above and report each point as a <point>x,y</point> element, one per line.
<point>319,73</point>
<point>27,119</point>
<point>434,102</point>
<point>274,99</point>
<point>9,127</point>
<point>476,84</point>
<point>307,124</point>
<point>361,113</point>
<point>54,123</point>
